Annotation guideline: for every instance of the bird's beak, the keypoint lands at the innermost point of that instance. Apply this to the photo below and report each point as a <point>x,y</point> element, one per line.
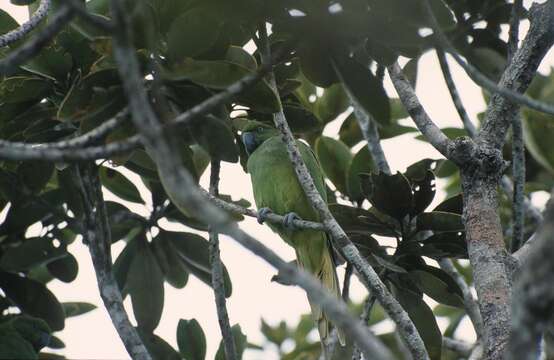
<point>249,141</point>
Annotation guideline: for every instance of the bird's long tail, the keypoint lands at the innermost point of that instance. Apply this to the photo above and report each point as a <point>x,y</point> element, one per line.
<point>327,274</point>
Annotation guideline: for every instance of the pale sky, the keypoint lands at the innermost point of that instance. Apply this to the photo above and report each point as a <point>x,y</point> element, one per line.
<point>254,296</point>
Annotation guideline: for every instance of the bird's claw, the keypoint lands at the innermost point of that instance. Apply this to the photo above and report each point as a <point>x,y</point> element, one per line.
<point>262,214</point>
<point>288,221</point>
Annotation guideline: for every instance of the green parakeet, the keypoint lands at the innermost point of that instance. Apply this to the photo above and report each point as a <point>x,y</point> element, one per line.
<point>276,187</point>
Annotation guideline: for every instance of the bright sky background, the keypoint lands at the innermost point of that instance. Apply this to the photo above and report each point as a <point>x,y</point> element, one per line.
<point>254,296</point>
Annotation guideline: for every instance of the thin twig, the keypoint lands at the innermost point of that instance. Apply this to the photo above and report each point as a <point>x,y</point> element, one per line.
<point>472,308</point>
<point>217,274</point>
<point>33,46</point>
<point>340,240</point>
<point>423,122</point>
<point>546,34</point>
<point>25,28</point>
<point>364,319</point>
<point>98,238</point>
<point>184,192</point>
<point>454,94</point>
<point>513,33</point>
<point>95,20</point>
<point>458,346</point>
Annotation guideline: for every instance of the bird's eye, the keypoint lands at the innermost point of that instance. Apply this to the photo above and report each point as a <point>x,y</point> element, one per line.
<point>260,129</point>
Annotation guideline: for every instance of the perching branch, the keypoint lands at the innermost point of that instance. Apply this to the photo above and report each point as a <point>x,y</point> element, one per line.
<point>367,275</point>
<point>217,274</point>
<point>98,238</point>
<point>25,28</point>
<point>472,308</point>
<point>533,302</point>
<point>32,47</point>
<point>538,41</point>
<point>184,192</point>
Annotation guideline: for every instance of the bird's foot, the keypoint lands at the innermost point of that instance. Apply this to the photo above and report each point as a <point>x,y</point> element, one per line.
<point>288,221</point>
<point>262,214</point>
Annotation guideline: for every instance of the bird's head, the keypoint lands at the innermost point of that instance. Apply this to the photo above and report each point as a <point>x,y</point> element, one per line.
<point>255,133</point>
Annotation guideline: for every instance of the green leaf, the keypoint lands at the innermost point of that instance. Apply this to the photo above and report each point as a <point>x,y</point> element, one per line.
<point>300,119</point>
<point>65,268</point>
<point>77,308</point>
<point>30,253</point>
<point>438,221</point>
<point>332,103</point>
<point>361,163</point>
<point>219,75</point>
<point>216,137</point>
<point>193,33</point>
<point>335,158</point>
<point>194,252</point>
<point>423,187</point>
<point>35,174</point>
<point>146,287</point>
<point>158,348</point>
<point>119,185</point>
<point>538,131</point>
<point>7,23</point>
<point>390,194</point>
<point>360,221</point>
<point>365,88</point>
<point>437,289</point>
<point>276,334</point>
<point>191,340</point>
<point>453,205</point>
<point>33,298</point>
<point>316,65</point>
<point>240,343</point>
<point>172,267</point>
<point>239,56</point>
<point>423,319</point>
<point>121,229</point>
<point>14,346</point>
<point>53,62</point>
<point>123,263</point>
<point>22,88</point>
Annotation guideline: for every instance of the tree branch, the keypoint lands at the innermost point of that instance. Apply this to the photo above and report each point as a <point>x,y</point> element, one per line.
<point>513,34</point>
<point>452,88</point>
<point>340,240</point>
<point>217,274</point>
<point>519,72</point>
<point>25,28</point>
<point>33,46</point>
<point>472,308</point>
<point>184,192</point>
<point>98,238</point>
<point>533,302</point>
<point>458,346</point>
<point>518,173</point>
<point>423,122</point>
<point>95,20</point>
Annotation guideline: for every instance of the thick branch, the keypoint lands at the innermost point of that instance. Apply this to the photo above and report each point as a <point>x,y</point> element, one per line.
<point>183,191</point>
<point>98,238</point>
<point>472,308</point>
<point>33,46</point>
<point>534,295</point>
<point>217,275</point>
<point>367,275</point>
<point>423,122</point>
<point>25,28</point>
<point>518,173</point>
